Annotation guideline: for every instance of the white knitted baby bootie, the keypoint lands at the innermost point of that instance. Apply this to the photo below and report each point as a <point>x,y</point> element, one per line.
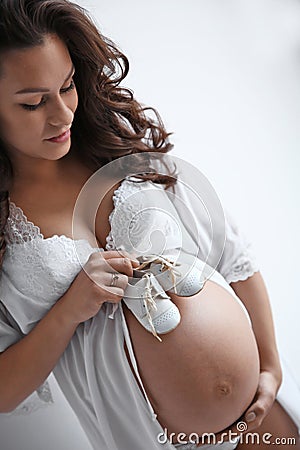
<point>149,303</point>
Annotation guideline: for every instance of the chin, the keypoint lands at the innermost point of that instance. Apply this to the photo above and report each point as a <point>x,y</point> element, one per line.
<point>57,152</point>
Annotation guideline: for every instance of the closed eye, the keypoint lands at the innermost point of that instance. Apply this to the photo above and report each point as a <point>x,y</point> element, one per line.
<point>43,101</point>
<point>33,107</point>
<point>68,88</point>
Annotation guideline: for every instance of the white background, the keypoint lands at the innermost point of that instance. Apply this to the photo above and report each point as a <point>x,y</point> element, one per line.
<point>225,77</point>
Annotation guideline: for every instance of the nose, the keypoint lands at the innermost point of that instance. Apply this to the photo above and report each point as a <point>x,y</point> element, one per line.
<point>61,114</point>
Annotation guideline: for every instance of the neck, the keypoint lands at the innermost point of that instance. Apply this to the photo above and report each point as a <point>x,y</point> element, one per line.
<point>35,171</point>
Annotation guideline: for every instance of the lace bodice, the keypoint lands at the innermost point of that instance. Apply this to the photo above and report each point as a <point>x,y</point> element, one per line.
<point>143,220</point>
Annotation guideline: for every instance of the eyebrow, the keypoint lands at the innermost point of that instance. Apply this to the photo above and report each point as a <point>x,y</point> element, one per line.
<point>40,89</point>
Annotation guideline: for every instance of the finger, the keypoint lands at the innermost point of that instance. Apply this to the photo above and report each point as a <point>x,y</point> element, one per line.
<point>116,279</point>
<point>255,415</point>
<point>121,253</point>
<point>126,254</point>
<point>107,254</point>
<point>135,263</point>
<point>121,265</point>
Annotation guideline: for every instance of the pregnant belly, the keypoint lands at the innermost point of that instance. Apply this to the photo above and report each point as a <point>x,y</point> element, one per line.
<point>204,374</point>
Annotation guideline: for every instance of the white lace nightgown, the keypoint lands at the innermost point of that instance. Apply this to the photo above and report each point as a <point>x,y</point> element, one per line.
<point>93,372</point>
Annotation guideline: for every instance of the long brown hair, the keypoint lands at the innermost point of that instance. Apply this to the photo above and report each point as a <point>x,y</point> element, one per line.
<point>109,122</point>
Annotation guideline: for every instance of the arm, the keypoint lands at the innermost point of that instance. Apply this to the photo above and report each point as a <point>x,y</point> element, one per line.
<point>25,365</point>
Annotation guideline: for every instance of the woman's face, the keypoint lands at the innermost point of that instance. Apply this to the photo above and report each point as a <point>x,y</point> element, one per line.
<point>38,100</point>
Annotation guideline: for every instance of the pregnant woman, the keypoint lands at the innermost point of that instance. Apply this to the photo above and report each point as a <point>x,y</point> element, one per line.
<point>59,76</point>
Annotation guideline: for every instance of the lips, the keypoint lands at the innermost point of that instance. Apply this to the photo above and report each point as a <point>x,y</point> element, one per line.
<point>61,137</point>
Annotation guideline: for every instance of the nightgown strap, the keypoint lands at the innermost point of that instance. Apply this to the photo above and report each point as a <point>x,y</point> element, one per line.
<point>134,363</point>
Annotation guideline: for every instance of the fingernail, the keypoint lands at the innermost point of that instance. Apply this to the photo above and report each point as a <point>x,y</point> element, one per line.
<point>250,417</point>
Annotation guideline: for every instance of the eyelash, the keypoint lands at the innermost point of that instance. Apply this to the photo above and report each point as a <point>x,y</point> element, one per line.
<point>43,101</point>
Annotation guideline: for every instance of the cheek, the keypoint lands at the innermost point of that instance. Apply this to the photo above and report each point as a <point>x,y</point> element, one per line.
<point>18,127</point>
<point>8,127</point>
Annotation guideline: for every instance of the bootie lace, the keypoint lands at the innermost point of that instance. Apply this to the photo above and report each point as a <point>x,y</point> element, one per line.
<point>166,263</point>
<point>150,304</point>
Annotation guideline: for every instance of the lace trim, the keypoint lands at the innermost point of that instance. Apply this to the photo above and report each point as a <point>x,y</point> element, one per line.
<point>44,393</point>
<point>118,195</point>
<point>18,228</point>
<point>243,268</point>
<point>127,219</point>
<point>41,398</point>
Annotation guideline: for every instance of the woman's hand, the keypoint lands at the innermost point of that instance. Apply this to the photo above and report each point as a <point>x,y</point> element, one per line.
<point>268,385</point>
<point>92,286</point>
